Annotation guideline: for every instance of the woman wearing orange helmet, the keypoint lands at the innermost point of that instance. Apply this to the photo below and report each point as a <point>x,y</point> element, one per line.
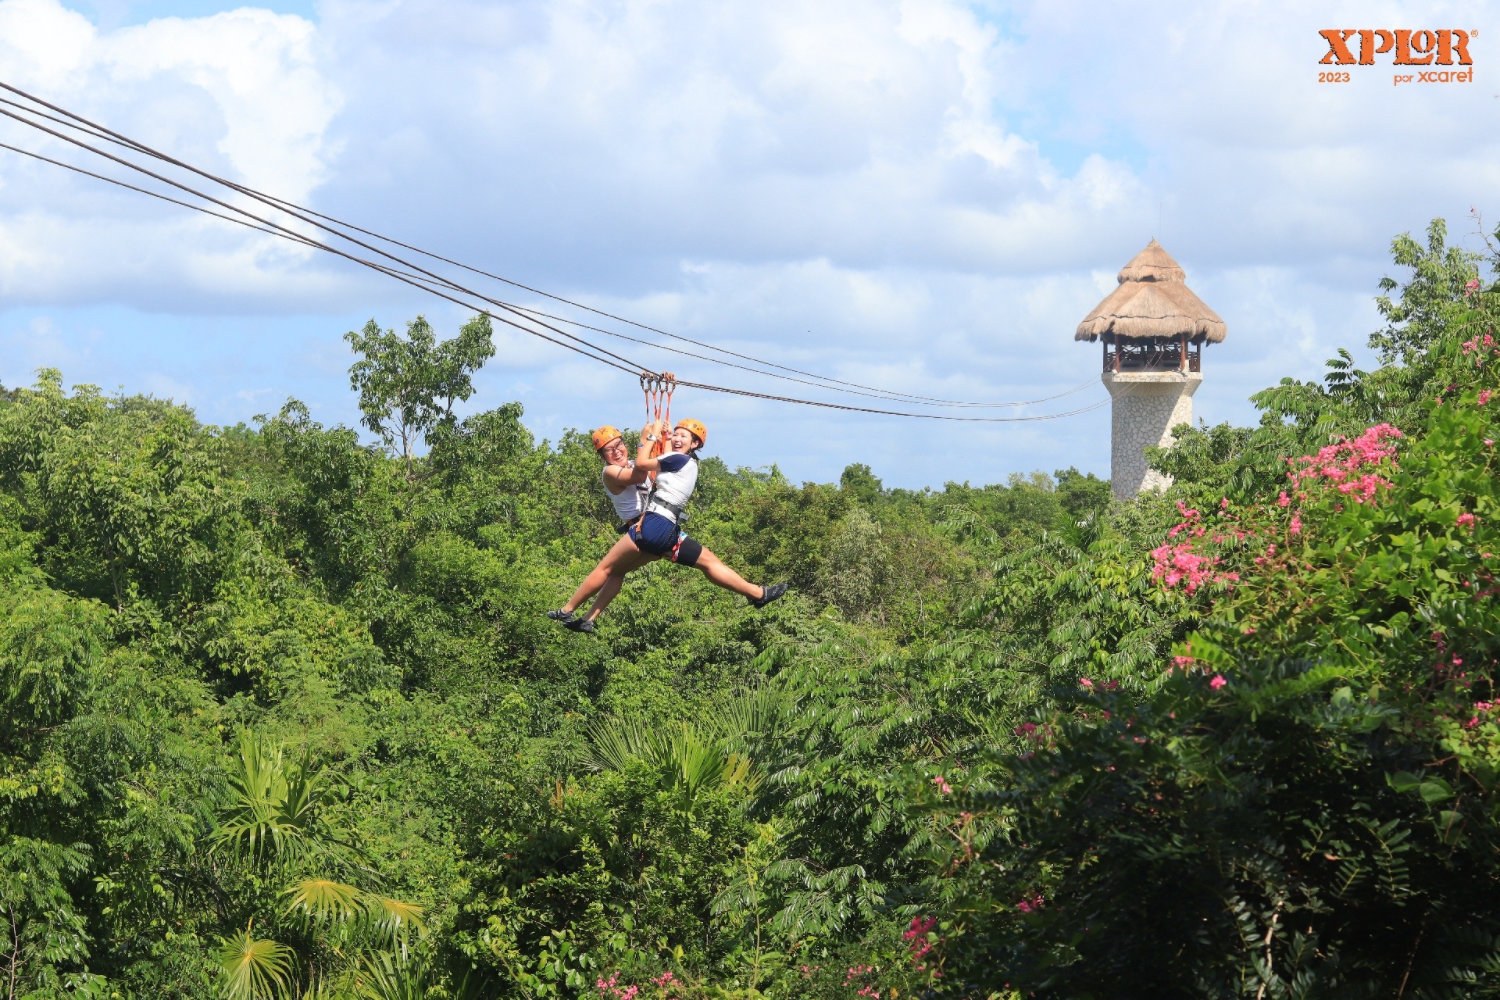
<point>658,532</point>
<point>626,486</point>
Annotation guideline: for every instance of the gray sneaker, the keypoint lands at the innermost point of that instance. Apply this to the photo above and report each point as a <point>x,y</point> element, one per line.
<point>559,615</point>
<point>768,594</point>
<point>581,625</point>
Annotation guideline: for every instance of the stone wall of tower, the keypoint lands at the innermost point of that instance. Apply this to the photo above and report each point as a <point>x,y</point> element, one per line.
<point>1144,408</point>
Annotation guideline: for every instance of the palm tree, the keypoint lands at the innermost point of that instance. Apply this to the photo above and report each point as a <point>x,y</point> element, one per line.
<point>275,818</point>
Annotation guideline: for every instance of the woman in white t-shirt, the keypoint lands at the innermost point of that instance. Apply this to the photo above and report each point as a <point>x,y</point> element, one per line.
<point>657,533</point>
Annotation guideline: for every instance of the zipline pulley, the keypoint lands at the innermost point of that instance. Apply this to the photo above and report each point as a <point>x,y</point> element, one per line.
<point>658,388</point>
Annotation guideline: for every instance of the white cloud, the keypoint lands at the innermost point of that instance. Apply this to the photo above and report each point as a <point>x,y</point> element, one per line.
<point>238,94</point>
<point>923,194</point>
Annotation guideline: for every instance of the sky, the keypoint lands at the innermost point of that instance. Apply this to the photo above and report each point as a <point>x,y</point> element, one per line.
<point>920,196</point>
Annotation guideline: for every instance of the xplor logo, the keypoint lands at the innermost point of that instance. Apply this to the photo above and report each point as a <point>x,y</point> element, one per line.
<point>1405,47</point>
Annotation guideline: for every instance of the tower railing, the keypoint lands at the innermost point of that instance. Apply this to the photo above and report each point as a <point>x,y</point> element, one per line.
<point>1157,354</point>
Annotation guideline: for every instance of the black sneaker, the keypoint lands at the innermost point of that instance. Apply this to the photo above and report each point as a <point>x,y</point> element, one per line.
<point>768,594</point>
<point>581,625</point>
<point>559,615</point>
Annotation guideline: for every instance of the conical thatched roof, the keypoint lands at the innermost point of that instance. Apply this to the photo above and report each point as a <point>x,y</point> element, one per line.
<point>1153,300</point>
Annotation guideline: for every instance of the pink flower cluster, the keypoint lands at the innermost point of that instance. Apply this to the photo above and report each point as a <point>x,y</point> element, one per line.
<point>942,785</point>
<point>917,940</point>
<point>854,974</point>
<point>610,988</point>
<point>1342,462</point>
<point>1179,562</point>
<point>1030,904</point>
<point>1174,564</point>
<point>1033,732</point>
<point>1343,466</point>
<point>1471,346</point>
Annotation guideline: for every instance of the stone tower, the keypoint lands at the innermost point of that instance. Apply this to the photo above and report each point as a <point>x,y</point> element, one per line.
<point>1153,328</point>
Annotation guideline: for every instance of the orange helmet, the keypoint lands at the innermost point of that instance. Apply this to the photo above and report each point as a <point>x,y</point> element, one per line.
<point>696,428</point>
<point>604,436</point>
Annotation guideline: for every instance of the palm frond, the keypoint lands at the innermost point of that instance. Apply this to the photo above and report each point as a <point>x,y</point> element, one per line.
<point>383,976</point>
<point>253,967</point>
<point>325,900</point>
<point>395,920</point>
<point>275,812</point>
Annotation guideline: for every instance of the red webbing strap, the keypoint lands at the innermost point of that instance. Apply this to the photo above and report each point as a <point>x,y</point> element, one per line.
<point>669,382</point>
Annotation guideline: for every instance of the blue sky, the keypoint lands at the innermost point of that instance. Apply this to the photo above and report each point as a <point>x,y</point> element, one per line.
<point>924,195</point>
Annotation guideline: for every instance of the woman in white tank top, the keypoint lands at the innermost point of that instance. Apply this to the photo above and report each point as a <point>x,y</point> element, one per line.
<point>656,533</point>
<point>627,488</point>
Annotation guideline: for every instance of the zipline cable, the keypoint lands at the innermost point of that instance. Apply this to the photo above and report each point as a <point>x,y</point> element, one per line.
<point>424,283</point>
<point>878,394</point>
<point>628,365</point>
<point>309,215</point>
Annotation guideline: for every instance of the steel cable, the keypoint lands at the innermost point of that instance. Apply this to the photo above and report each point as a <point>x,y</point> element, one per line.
<point>310,215</point>
<point>425,279</point>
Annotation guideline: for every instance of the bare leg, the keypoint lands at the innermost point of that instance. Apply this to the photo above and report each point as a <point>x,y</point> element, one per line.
<point>615,580</point>
<point>622,551</point>
<point>713,568</point>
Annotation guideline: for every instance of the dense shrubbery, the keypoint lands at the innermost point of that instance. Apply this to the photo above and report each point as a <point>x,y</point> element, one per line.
<point>283,716</point>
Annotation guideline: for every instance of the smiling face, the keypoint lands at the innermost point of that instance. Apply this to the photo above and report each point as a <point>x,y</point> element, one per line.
<point>614,452</point>
<point>683,440</point>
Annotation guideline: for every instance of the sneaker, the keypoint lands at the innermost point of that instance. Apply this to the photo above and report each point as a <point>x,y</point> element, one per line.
<point>559,615</point>
<point>769,594</point>
<point>581,625</point>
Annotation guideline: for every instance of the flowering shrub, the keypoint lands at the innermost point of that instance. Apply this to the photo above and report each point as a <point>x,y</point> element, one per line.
<point>1312,785</point>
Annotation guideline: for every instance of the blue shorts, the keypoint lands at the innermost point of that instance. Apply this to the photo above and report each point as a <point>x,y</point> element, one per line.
<point>659,536</point>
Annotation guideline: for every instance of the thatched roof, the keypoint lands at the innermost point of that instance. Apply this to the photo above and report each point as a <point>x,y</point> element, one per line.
<point>1153,300</point>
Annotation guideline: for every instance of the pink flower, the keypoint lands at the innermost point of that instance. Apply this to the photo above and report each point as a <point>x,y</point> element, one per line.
<point>942,785</point>
<point>1217,682</point>
<point>1465,519</point>
<point>666,978</point>
<point>1296,526</point>
<point>1085,683</point>
<point>1470,287</point>
<point>1484,396</point>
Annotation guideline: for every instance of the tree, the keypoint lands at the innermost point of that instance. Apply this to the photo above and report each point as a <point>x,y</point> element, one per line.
<point>407,387</point>
<point>861,483</point>
<point>1080,494</point>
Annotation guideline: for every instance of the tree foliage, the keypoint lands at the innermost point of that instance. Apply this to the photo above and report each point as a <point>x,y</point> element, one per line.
<point>283,716</point>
